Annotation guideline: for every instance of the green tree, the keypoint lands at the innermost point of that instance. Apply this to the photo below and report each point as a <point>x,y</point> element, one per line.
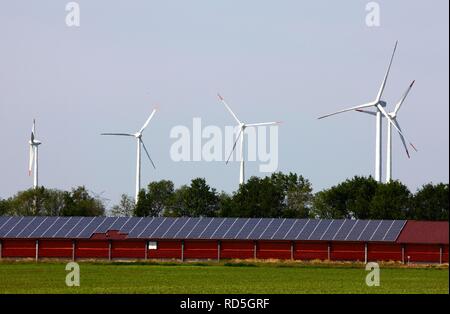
<point>431,202</point>
<point>258,198</point>
<point>79,202</point>
<point>391,201</point>
<point>297,194</point>
<point>5,207</point>
<point>125,208</point>
<point>157,199</point>
<point>196,200</point>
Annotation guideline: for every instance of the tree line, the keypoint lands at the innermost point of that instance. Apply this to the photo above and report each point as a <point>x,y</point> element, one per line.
<point>276,196</point>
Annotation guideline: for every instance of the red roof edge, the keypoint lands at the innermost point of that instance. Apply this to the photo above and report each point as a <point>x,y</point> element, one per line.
<point>424,232</point>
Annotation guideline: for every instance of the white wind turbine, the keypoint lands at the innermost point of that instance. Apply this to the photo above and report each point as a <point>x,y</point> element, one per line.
<point>34,150</point>
<point>138,136</point>
<point>242,126</point>
<point>379,105</point>
<point>394,115</point>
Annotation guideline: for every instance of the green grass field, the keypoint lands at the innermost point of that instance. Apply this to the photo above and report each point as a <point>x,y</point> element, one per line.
<point>49,277</point>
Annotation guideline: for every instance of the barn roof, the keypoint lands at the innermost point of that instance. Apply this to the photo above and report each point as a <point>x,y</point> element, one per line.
<point>426,232</point>
<point>201,228</point>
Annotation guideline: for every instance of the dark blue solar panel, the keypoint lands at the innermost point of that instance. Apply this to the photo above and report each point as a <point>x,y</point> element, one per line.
<point>320,229</point>
<point>162,228</point>
<point>381,230</point>
<point>105,225</point>
<point>172,231</point>
<point>245,230</point>
<point>11,222</point>
<point>283,229</point>
<point>30,227</point>
<point>67,227</point>
<point>344,230</point>
<point>73,227</point>
<point>332,230</point>
<point>213,226</point>
<point>259,229</point>
<point>295,229</point>
<point>224,227</point>
<point>198,230</point>
<point>357,229</point>
<point>87,232</point>
<point>3,219</point>
<point>130,224</point>
<point>235,228</point>
<point>45,224</point>
<point>395,230</point>
<point>12,233</point>
<point>369,230</point>
<point>271,229</point>
<point>308,229</point>
<point>53,226</point>
<point>119,223</point>
<point>187,228</point>
<point>144,226</point>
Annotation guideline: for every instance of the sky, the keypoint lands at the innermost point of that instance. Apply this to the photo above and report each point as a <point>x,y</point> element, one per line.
<point>273,60</point>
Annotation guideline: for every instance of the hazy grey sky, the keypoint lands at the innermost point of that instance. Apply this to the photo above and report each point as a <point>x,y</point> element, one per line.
<point>284,60</point>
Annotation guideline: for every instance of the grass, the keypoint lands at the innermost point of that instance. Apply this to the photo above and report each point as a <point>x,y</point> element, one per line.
<point>211,278</point>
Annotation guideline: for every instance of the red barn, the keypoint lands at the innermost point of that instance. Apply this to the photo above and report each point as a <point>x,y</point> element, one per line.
<point>223,238</point>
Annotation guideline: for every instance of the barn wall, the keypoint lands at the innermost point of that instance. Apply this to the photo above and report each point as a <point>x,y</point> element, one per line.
<point>92,249</point>
<point>273,249</point>
<point>236,249</point>
<point>166,249</point>
<point>18,248</point>
<point>343,251</point>
<point>384,252</point>
<point>310,250</point>
<point>422,253</point>
<point>55,249</point>
<point>200,249</point>
<point>128,249</point>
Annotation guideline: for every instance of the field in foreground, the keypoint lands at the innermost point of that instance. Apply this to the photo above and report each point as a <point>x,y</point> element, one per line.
<point>209,278</point>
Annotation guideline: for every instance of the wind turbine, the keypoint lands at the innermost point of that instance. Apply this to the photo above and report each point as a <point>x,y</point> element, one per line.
<point>379,105</point>
<point>34,150</point>
<point>242,126</point>
<point>138,137</point>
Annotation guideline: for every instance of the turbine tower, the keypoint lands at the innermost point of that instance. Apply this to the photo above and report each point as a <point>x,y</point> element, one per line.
<point>242,126</point>
<point>34,150</point>
<point>379,105</point>
<point>139,142</point>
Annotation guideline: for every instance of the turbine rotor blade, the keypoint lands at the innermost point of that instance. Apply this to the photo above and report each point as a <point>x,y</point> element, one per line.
<point>400,103</point>
<point>147,153</point>
<point>394,125</point>
<point>117,134</point>
<point>383,85</point>
<point>148,121</point>
<point>368,105</point>
<point>234,146</point>
<point>367,112</point>
<point>402,138</point>
<point>262,124</point>
<point>229,109</point>
<point>30,164</point>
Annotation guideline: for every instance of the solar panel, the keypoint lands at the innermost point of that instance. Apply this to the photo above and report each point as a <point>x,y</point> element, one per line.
<point>271,229</point>
<point>320,229</point>
<point>381,230</point>
<point>247,228</point>
<point>369,230</point>
<point>22,223</point>
<point>309,227</point>
<point>259,229</point>
<point>332,230</point>
<point>394,231</point>
<point>203,228</point>
<point>235,228</point>
<point>175,228</point>
<point>211,228</point>
<point>11,222</point>
<point>161,228</point>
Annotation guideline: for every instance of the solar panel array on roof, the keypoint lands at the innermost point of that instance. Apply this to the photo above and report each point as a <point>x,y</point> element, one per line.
<point>203,228</point>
